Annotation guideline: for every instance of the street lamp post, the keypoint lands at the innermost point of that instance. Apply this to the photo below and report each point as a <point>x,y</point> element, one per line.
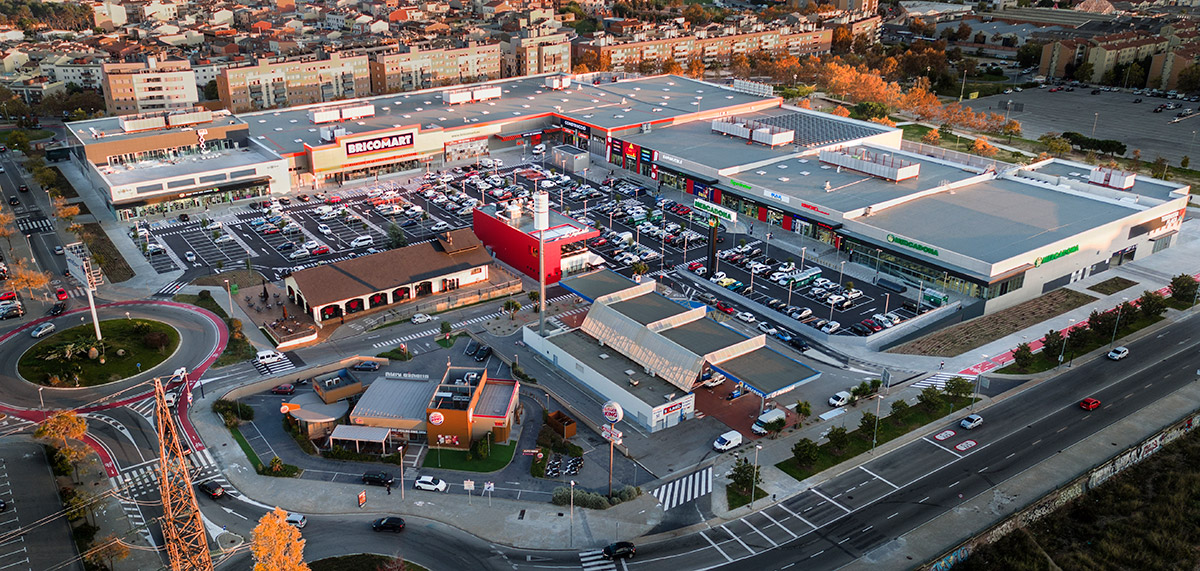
<point>875,435</point>
<point>230,292</point>
<point>571,541</point>
<point>40,400</point>
<point>754,482</point>
<point>1117,325</point>
<point>1094,123</point>
<point>1063,351</point>
<point>975,396</point>
<point>887,299</point>
<point>841,274</point>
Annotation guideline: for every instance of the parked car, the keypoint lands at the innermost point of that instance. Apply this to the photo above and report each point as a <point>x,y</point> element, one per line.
<point>971,421</point>
<point>483,353</point>
<point>431,484</point>
<point>284,389</point>
<point>840,398</point>
<point>619,550</point>
<point>746,316</point>
<point>366,366</point>
<point>420,318</point>
<point>378,478</point>
<point>58,308</point>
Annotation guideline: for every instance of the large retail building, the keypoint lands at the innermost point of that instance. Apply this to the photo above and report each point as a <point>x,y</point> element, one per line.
<point>985,229</point>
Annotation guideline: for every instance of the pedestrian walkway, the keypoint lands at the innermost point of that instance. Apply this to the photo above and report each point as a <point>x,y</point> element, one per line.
<point>682,490</point>
<point>594,560</point>
<point>939,380</point>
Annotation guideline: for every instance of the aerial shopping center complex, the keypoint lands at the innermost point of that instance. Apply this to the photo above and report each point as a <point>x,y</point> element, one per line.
<point>985,229</point>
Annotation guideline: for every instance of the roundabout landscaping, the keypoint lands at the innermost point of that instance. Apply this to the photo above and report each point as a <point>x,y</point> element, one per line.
<point>73,357</point>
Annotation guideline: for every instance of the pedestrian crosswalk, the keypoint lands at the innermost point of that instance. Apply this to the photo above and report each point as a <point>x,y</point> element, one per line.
<point>170,289</point>
<point>35,225</point>
<point>594,561</point>
<point>939,380</point>
<point>682,490</point>
<point>460,324</point>
<point>142,479</point>
<point>266,369</point>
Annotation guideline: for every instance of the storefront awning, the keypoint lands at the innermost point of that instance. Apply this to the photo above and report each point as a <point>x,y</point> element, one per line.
<point>685,172</point>
<point>1010,273</point>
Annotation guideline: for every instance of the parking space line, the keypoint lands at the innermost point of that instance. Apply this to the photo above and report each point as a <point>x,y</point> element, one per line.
<point>877,476</point>
<point>717,547</point>
<point>759,532</point>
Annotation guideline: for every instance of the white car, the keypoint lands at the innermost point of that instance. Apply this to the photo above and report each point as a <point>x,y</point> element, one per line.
<point>831,327</point>
<point>882,320</point>
<point>745,316</point>
<point>1118,353</point>
<point>841,398</point>
<point>801,313</point>
<point>835,299</point>
<point>439,227</point>
<point>222,239</point>
<point>767,328</point>
<point>822,283</point>
<point>420,318</point>
<point>971,421</point>
<point>296,520</point>
<point>189,256</point>
<point>853,294</point>
<point>212,225</point>
<point>895,317</point>
<point>322,228</point>
<point>717,277</point>
<point>429,483</point>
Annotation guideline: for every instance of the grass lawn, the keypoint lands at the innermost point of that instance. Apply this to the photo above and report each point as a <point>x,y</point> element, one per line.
<point>105,253</point>
<point>1179,304</point>
<point>968,335</point>
<point>241,278</point>
<point>453,339</point>
<point>34,134</point>
<point>890,428</point>
<point>119,335</point>
<point>237,349</point>
<point>359,562</point>
<point>395,355</point>
<point>1044,362</point>
<point>737,499</point>
<point>502,454</point>
<point>1113,285</point>
<point>241,440</point>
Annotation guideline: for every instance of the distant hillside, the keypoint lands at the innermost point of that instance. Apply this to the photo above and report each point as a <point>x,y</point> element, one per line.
<point>31,14</point>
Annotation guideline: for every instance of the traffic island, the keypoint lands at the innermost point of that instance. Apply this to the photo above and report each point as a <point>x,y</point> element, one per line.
<point>74,357</point>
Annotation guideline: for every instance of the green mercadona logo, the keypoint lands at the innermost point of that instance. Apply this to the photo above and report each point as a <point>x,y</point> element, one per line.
<point>1051,257</point>
<point>894,239</point>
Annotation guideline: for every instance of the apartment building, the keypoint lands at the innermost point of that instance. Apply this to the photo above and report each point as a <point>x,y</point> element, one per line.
<point>536,50</point>
<point>32,88</point>
<point>284,82</point>
<point>85,71</point>
<point>429,64</point>
<point>1166,67</point>
<point>131,88</point>
<point>715,44</point>
<point>1103,52</point>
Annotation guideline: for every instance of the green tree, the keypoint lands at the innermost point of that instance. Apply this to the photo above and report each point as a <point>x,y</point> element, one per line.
<point>1184,287</point>
<point>640,268</point>
<point>899,408</point>
<point>805,451</point>
<point>1102,323</point>
<point>775,426</point>
<point>445,327</point>
<point>870,110</point>
<point>866,424</point>
<point>534,296</point>
<point>1153,304</point>
<point>1052,343</point>
<point>1078,338</point>
<point>1023,356</point>
<point>745,476</point>
<point>1161,169</point>
<point>210,91</point>
<point>396,237</point>
<point>838,438</point>
<point>931,398</point>
<point>1084,72</point>
<point>959,387</point>
<point>945,131</point>
<point>804,410</point>
<point>1185,161</point>
<point>1029,54</point>
<point>512,306</point>
<point>19,141</point>
<point>1189,79</point>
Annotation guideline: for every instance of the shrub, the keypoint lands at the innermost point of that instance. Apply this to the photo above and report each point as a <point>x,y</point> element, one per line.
<point>156,340</point>
<point>899,408</point>
<point>59,463</point>
<point>204,294</point>
<point>140,327</point>
<point>583,499</point>
<point>232,412</point>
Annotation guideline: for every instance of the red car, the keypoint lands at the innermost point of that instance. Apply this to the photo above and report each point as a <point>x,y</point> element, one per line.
<point>725,308</point>
<point>284,389</point>
<point>333,199</point>
<point>271,230</point>
<point>320,250</point>
<point>61,294</point>
<point>870,324</point>
<point>8,295</point>
<point>1089,404</point>
<point>692,266</point>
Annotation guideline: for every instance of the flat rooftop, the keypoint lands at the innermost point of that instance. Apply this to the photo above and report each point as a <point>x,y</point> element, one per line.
<point>648,308</point>
<point>197,164</point>
<point>768,371</point>
<point>622,104</point>
<point>111,129</point>
<point>1142,184</point>
<point>805,178</point>
<point>980,220</point>
<point>495,398</point>
<point>650,389</point>
<point>392,398</point>
<point>596,284</point>
<point>561,226</point>
<point>703,336</point>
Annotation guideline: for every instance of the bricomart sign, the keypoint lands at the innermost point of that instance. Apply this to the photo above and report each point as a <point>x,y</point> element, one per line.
<point>1056,255</point>
<point>894,239</point>
<point>379,144</point>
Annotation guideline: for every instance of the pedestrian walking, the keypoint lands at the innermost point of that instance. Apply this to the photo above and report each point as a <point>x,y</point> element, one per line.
<point>388,487</point>
<point>941,365</point>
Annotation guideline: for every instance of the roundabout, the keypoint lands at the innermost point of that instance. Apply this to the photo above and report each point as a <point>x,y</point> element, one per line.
<point>74,357</point>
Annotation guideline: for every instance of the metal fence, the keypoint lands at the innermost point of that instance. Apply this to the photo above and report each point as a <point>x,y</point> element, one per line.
<point>953,156</point>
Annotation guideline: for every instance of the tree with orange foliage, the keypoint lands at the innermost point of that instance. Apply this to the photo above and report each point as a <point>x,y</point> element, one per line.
<point>883,121</point>
<point>695,68</point>
<point>933,138</point>
<point>983,148</point>
<point>804,104</point>
<point>840,111</point>
<point>277,546</point>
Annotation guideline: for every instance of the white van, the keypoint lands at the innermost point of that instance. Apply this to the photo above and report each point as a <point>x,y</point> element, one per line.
<point>361,241</point>
<point>268,356</point>
<point>324,209</point>
<point>760,425</point>
<point>625,237</point>
<point>539,149</point>
<point>728,441</point>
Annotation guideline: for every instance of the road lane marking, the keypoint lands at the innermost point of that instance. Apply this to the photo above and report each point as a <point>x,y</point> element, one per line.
<point>878,477</point>
<point>954,484</point>
<point>737,539</point>
<point>779,525</point>
<point>797,516</point>
<point>756,530</point>
<point>939,447</point>
<point>717,547</point>
<point>818,492</point>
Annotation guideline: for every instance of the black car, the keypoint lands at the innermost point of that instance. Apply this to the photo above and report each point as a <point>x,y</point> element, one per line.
<point>390,523</point>
<point>620,550</point>
<point>285,246</point>
<point>483,353</point>
<point>14,201</point>
<point>860,330</point>
<point>58,308</point>
<point>12,312</point>
<point>285,200</point>
<point>304,198</point>
<point>473,348</point>
<point>378,478</point>
<point>183,217</point>
<point>798,343</point>
<point>366,366</point>
<point>211,489</point>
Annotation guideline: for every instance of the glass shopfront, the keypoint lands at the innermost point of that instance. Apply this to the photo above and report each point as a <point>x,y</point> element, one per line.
<point>202,199</point>
<point>919,273</point>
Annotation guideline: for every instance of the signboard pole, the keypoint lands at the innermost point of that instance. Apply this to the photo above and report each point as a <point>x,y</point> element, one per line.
<point>95,320</point>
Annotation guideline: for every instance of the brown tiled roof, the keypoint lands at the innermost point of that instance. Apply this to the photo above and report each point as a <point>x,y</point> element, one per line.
<point>457,251</point>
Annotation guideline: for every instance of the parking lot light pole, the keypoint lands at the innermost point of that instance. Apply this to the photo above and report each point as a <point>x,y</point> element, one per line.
<point>1095,122</point>
<point>230,292</point>
<point>841,274</point>
<point>887,299</point>
<point>571,541</point>
<point>875,436</point>
<point>975,396</point>
<point>1117,325</point>
<point>754,482</point>
<point>878,253</point>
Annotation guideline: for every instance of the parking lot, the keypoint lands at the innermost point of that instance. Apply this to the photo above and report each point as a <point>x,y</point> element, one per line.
<point>1113,114</point>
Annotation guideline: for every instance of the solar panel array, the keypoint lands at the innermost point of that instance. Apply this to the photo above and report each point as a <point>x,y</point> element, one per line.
<point>816,131</point>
